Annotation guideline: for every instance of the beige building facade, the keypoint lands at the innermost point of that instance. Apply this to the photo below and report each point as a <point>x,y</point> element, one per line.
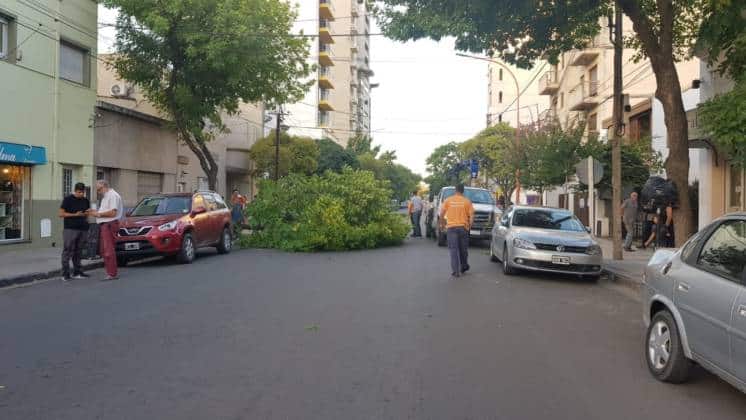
<point>139,153</point>
<point>338,103</point>
<point>580,91</point>
<point>505,82</point>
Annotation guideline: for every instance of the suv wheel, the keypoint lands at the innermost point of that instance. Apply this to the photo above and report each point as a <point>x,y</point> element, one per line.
<point>226,242</point>
<point>188,251</point>
<point>663,350</point>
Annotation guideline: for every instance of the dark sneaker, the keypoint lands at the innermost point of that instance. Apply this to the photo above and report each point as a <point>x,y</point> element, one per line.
<point>455,275</point>
<point>66,278</point>
<point>81,275</point>
<point>465,269</point>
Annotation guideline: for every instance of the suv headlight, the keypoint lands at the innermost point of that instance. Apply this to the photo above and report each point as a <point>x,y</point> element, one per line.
<point>523,244</point>
<point>594,250</point>
<point>168,226</point>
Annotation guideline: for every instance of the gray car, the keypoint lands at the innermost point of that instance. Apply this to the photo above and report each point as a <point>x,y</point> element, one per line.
<point>695,305</point>
<point>544,239</point>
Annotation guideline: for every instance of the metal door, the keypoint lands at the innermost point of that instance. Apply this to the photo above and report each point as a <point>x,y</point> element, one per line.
<point>581,208</point>
<point>148,183</point>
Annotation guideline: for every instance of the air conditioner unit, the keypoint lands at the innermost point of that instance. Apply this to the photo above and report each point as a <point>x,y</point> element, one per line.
<point>121,90</point>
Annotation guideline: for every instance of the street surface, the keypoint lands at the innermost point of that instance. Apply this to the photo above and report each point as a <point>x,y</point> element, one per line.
<point>382,334</point>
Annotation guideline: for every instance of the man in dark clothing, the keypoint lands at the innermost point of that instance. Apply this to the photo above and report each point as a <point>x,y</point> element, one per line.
<point>73,211</point>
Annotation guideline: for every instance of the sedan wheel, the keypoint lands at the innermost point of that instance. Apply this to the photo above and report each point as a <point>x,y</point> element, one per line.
<point>664,351</point>
<point>508,270</point>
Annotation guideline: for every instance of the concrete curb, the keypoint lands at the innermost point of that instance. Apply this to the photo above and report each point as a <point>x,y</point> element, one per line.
<point>32,277</point>
<point>625,279</point>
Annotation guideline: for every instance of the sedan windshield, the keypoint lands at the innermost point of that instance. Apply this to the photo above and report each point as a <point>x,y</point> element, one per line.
<point>475,196</point>
<point>547,219</point>
<point>157,206</point>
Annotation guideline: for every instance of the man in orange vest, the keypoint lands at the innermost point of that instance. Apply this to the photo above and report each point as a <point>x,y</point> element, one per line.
<point>457,214</point>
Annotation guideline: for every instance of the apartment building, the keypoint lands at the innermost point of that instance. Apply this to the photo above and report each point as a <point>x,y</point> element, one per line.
<point>48,86</point>
<point>580,90</point>
<point>504,83</point>
<point>338,103</point>
<point>137,151</point>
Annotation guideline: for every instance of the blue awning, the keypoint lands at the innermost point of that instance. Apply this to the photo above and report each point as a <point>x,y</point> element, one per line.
<point>22,154</point>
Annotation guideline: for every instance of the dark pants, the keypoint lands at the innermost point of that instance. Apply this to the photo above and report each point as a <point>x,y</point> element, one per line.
<point>73,243</point>
<point>458,247</point>
<point>107,246</point>
<point>416,230</point>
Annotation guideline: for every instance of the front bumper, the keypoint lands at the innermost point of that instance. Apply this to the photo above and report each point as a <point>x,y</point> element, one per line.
<point>480,232</point>
<point>539,260</point>
<point>155,243</point>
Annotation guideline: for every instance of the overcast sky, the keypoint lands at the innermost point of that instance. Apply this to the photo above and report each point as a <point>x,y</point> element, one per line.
<point>427,97</point>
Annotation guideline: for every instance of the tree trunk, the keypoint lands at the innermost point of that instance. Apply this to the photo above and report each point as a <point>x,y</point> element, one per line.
<point>198,146</point>
<point>677,164</point>
<point>658,43</point>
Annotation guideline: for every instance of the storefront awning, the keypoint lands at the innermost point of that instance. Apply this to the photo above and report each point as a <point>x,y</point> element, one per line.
<point>22,154</point>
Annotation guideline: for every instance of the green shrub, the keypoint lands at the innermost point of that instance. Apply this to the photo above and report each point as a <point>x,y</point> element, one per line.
<point>329,212</point>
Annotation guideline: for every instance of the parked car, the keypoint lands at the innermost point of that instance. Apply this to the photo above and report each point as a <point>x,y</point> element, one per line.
<point>175,225</point>
<point>695,305</point>
<point>485,213</point>
<point>545,239</point>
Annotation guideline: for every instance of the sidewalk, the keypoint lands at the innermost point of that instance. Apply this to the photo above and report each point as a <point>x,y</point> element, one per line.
<point>20,267</point>
<point>630,269</point>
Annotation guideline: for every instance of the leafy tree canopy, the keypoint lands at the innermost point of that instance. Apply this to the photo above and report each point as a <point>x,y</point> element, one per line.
<point>333,157</point>
<point>298,155</point>
<point>495,150</point>
<point>196,59</point>
<point>639,160</point>
<point>441,165</point>
<point>724,117</point>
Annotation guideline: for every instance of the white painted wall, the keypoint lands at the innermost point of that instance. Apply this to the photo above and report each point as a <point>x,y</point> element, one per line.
<point>691,98</point>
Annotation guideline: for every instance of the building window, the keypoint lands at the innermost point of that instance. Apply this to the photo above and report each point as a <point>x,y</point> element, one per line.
<point>4,33</point>
<point>202,184</point>
<point>67,181</point>
<point>736,196</point>
<point>500,74</point>
<point>500,97</point>
<point>500,118</point>
<point>323,118</point>
<point>74,65</point>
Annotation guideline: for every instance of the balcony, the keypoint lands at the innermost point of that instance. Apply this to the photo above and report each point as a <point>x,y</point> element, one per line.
<point>325,78</point>
<point>587,55</point>
<point>324,103</point>
<point>548,84</point>
<point>326,10</point>
<point>325,34</point>
<point>584,97</point>
<point>325,55</point>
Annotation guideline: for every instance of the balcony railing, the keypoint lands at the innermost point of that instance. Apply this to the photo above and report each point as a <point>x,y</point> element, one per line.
<point>548,84</point>
<point>584,96</point>
<point>326,9</point>
<point>588,55</point>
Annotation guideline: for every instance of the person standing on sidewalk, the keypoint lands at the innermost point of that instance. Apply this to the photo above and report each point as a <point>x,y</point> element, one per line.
<point>73,211</point>
<point>107,217</point>
<point>457,214</point>
<point>415,213</point>
<point>629,217</point>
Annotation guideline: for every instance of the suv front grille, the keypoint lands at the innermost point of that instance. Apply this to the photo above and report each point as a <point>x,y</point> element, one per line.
<point>482,219</point>
<point>567,248</point>
<point>136,231</point>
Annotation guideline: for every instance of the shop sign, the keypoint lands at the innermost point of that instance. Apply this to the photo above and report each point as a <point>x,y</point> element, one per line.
<point>22,154</point>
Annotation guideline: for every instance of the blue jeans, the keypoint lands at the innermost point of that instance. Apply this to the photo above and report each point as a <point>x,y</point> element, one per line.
<point>458,247</point>
<point>416,230</point>
<point>630,235</point>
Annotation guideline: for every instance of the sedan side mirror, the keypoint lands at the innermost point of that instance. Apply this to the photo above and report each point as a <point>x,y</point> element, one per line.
<point>588,229</point>
<point>198,210</point>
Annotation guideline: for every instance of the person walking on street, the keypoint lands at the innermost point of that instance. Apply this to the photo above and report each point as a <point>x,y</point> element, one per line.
<point>109,213</point>
<point>415,213</point>
<point>629,217</point>
<point>457,214</point>
<point>74,211</point>
<point>238,203</point>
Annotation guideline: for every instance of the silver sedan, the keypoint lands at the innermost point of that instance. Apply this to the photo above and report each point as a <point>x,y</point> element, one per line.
<point>544,239</point>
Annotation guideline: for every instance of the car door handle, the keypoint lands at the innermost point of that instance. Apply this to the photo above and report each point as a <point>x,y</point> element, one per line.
<point>683,287</point>
<point>742,310</point>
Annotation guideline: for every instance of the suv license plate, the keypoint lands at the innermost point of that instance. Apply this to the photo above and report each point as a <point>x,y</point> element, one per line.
<point>131,246</point>
<point>474,232</point>
<point>556,259</point>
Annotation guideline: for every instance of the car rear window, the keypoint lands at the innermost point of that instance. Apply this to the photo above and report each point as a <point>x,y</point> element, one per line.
<point>157,206</point>
<point>547,219</point>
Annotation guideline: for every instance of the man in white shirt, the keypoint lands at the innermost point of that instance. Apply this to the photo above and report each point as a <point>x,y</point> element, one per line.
<point>107,217</point>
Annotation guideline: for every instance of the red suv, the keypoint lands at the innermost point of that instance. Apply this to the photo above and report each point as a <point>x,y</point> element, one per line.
<point>175,225</point>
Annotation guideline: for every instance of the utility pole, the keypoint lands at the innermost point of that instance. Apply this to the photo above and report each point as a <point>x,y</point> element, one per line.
<point>278,127</point>
<point>616,140</point>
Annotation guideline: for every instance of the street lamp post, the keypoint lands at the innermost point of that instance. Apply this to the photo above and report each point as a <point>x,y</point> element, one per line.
<point>517,113</point>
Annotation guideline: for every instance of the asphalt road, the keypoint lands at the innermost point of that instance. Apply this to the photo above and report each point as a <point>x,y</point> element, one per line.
<point>380,334</point>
